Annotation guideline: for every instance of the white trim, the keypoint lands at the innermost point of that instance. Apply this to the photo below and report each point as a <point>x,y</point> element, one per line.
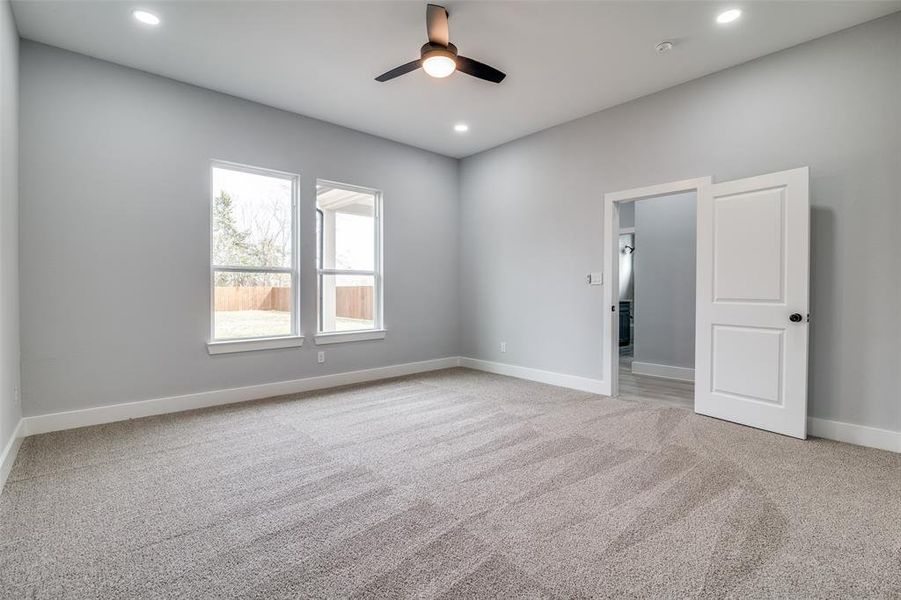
<point>228,346</point>
<point>665,371</point>
<point>264,171</point>
<point>340,337</point>
<point>861,435</point>
<point>661,189</point>
<point>8,456</point>
<point>575,382</point>
<point>610,333</point>
<point>145,408</point>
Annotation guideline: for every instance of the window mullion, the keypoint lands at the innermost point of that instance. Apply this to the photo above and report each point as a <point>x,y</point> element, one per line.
<point>346,272</point>
<point>229,269</point>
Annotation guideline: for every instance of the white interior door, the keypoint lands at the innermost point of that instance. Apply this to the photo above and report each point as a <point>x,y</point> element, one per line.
<point>752,301</point>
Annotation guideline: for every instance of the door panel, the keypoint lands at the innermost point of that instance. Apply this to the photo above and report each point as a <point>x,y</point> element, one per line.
<point>753,269</point>
<point>746,363</point>
<point>748,246</point>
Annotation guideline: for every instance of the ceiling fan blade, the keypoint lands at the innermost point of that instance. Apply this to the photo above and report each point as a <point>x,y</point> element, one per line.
<point>436,24</point>
<point>480,70</point>
<point>401,70</point>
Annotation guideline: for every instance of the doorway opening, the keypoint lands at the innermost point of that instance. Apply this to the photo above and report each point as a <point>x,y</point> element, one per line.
<point>650,264</point>
<point>656,298</point>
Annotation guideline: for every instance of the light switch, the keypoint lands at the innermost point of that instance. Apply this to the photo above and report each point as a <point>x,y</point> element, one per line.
<point>595,279</point>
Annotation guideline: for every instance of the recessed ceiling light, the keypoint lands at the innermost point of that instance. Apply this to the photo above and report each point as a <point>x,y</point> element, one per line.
<point>728,16</point>
<point>148,18</point>
<point>461,127</point>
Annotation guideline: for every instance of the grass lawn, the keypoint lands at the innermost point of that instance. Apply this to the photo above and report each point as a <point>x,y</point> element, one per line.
<point>265,323</point>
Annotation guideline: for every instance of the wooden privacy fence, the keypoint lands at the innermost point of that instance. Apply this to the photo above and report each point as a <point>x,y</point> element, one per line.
<point>253,297</point>
<point>351,302</point>
<point>354,302</point>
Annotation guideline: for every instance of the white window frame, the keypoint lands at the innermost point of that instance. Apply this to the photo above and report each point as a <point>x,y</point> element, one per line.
<point>378,330</point>
<point>293,339</point>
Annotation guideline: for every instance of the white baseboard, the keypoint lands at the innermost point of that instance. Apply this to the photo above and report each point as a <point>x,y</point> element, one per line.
<point>860,435</point>
<point>575,382</point>
<point>145,408</point>
<point>835,430</point>
<point>665,371</point>
<point>8,456</point>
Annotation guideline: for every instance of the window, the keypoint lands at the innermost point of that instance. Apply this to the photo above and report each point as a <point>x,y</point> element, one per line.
<point>254,266</point>
<point>348,261</point>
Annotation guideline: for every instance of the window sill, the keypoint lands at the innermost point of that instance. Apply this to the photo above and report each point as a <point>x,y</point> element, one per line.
<point>350,336</point>
<point>250,345</point>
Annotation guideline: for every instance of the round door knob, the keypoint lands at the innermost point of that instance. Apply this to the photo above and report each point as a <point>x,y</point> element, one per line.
<point>796,318</point>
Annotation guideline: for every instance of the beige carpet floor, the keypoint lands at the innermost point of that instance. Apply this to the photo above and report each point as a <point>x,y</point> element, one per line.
<point>452,484</point>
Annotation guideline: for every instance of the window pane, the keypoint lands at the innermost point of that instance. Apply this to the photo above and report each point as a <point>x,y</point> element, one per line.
<point>346,226</point>
<point>348,302</point>
<point>251,219</point>
<point>250,305</point>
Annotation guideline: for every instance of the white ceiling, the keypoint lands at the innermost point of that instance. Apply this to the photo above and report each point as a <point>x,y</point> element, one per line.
<point>562,59</point>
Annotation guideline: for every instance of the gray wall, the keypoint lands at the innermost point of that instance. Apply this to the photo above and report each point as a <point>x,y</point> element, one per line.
<point>115,234</point>
<point>9,224</point>
<point>114,223</point>
<point>531,210</point>
<point>664,264</point>
<point>627,215</point>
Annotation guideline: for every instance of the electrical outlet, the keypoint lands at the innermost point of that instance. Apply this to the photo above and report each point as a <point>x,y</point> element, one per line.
<point>320,358</point>
<point>503,346</point>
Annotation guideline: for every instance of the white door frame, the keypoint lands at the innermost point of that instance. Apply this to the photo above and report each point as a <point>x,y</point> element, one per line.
<point>612,201</point>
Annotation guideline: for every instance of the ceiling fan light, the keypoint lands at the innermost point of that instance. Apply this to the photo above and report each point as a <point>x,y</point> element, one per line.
<point>439,65</point>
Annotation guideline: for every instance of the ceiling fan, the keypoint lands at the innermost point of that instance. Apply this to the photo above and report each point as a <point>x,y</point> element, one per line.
<point>439,57</point>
